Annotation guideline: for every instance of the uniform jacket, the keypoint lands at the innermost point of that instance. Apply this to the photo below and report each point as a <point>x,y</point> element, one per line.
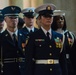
<point>39,48</point>
<point>69,47</point>
<point>10,51</point>
<point>25,30</point>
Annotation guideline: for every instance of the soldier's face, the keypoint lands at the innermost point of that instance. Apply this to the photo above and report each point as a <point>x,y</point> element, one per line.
<point>11,21</point>
<point>29,21</point>
<point>46,21</point>
<point>60,21</point>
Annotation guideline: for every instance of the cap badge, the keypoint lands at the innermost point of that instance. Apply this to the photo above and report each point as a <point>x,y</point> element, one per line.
<point>48,8</point>
<point>13,8</point>
<point>30,10</point>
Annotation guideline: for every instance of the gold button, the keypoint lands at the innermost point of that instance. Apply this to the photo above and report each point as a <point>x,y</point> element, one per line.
<point>17,51</point>
<point>50,46</point>
<point>50,69</point>
<point>50,54</point>
<point>39,45</point>
<point>19,66</point>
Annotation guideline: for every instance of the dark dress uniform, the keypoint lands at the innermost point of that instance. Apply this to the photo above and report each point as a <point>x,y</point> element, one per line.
<point>73,57</point>
<point>12,56</point>
<point>25,31</point>
<point>28,13</point>
<point>11,48</point>
<point>69,46</point>
<point>44,56</point>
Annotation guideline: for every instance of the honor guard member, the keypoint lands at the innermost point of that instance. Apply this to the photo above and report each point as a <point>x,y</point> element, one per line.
<point>44,51</point>
<point>59,25</point>
<point>1,21</point>
<point>28,17</point>
<point>11,55</point>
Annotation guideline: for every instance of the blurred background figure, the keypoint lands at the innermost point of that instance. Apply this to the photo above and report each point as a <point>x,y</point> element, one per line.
<point>28,17</point>
<point>59,25</point>
<point>20,23</point>
<point>38,20</point>
<point>1,21</point>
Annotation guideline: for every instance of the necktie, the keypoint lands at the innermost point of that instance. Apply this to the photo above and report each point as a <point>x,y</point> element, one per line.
<point>15,40</point>
<point>31,31</point>
<point>48,38</point>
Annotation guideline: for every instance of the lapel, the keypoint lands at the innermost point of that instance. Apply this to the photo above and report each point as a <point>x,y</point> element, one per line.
<point>44,36</point>
<point>41,33</point>
<point>21,39</point>
<point>26,30</point>
<point>7,37</point>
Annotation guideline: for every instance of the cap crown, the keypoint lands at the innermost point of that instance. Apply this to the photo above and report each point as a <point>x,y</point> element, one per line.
<point>28,10</point>
<point>58,12</point>
<point>45,7</point>
<point>11,10</point>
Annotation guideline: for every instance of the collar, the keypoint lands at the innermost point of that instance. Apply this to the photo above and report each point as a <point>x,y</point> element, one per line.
<point>45,31</point>
<point>30,29</point>
<point>60,31</point>
<point>1,31</point>
<point>11,33</point>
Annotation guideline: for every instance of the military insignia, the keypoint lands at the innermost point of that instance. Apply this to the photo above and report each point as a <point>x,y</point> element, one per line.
<point>40,45</point>
<point>23,46</point>
<point>30,10</point>
<point>48,8</point>
<point>13,8</point>
<point>70,41</point>
<point>26,41</point>
<point>6,35</point>
<point>39,40</point>
<point>58,42</point>
<point>20,34</point>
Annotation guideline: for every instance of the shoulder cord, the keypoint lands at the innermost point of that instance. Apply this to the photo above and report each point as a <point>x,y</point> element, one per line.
<point>62,42</point>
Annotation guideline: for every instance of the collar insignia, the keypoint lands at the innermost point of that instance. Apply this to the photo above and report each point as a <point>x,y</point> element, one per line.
<point>6,35</point>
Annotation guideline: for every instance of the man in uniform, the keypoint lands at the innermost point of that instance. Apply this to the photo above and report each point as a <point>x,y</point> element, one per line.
<point>1,21</point>
<point>44,51</point>
<point>29,20</point>
<point>11,53</point>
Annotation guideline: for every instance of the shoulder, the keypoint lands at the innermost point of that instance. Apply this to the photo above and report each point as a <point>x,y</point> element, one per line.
<point>35,28</point>
<point>56,34</point>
